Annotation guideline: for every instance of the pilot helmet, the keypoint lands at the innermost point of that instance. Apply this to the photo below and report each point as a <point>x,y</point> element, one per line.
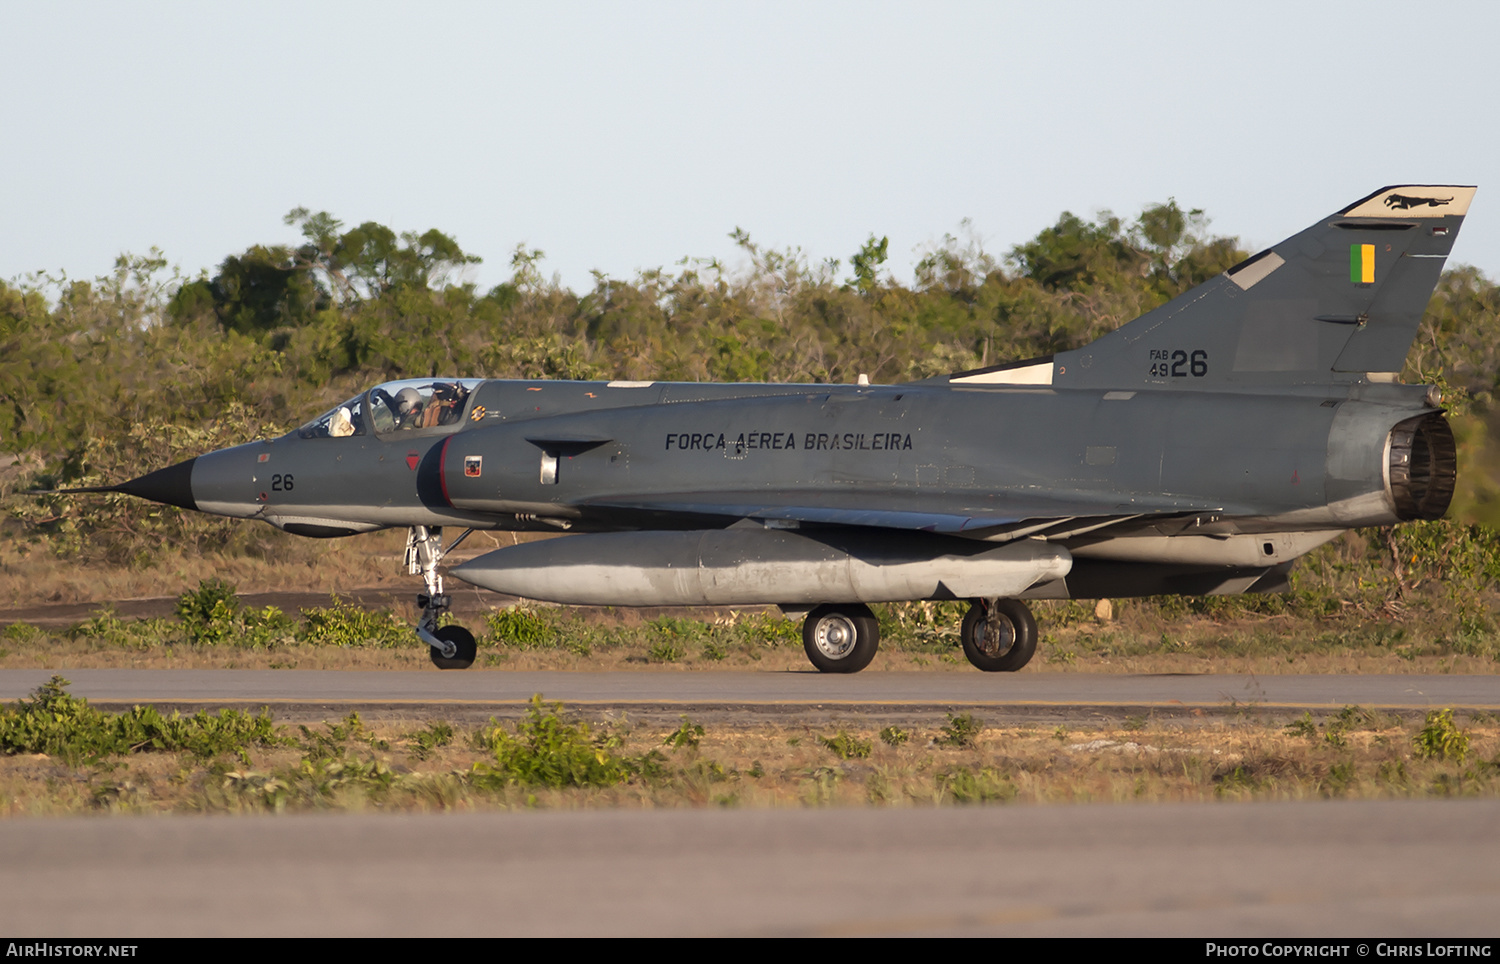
<point>407,401</point>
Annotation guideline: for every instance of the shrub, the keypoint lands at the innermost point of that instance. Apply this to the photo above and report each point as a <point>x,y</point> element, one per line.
<point>212,615</point>
<point>961,731</point>
<point>520,628</point>
<point>772,631</point>
<point>56,723</point>
<point>977,786</point>
<point>665,651</point>
<point>435,735</point>
<point>1304,727</point>
<point>689,734</point>
<point>549,750</point>
<point>1440,739</point>
<point>213,599</point>
<point>846,746</point>
<point>894,736</point>
<point>344,624</point>
<point>108,628</point>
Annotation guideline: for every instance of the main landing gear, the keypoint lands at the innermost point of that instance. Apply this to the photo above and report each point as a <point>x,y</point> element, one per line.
<point>841,639</point>
<point>451,647</point>
<point>999,636</point>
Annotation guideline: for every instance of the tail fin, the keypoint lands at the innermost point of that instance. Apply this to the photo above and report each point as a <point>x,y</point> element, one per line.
<point>1340,300</point>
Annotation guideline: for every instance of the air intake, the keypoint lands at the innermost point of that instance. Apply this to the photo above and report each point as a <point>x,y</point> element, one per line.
<point>1423,467</point>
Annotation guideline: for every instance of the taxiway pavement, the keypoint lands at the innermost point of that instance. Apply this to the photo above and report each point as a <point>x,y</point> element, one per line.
<point>778,691</point>
<point>1364,869</point>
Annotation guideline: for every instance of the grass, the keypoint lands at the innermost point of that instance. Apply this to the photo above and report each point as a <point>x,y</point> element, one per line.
<point>343,636</point>
<point>550,758</point>
<point>1337,619</point>
<point>29,574</point>
<point>212,628</point>
<point>54,723</point>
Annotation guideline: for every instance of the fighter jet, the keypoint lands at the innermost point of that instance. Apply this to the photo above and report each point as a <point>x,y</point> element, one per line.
<point>1199,449</point>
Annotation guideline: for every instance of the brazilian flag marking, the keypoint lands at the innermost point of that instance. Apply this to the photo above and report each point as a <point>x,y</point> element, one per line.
<point>1362,263</point>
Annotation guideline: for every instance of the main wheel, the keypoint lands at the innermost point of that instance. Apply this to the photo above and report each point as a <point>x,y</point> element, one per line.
<point>1004,646</point>
<point>463,642</point>
<point>841,639</point>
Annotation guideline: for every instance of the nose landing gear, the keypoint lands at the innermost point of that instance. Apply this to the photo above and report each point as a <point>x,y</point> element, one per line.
<point>451,647</point>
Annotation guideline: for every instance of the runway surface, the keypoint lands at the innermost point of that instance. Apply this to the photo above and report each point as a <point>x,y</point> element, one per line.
<point>767,691</point>
<point>1427,868</point>
<point>1361,869</point>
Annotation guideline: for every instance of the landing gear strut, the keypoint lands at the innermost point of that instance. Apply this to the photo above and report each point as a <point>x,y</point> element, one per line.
<point>999,635</point>
<point>451,647</point>
<point>841,638</point>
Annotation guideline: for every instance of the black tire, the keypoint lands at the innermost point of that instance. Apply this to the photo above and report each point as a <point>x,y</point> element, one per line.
<point>841,639</point>
<point>463,641</point>
<point>1018,637</point>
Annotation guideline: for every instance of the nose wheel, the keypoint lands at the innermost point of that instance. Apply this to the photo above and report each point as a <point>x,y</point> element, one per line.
<point>464,648</point>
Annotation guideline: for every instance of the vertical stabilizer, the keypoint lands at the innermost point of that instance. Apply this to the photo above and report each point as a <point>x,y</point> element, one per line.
<point>1331,304</point>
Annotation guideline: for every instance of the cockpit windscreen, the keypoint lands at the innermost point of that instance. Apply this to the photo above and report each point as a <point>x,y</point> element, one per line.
<point>415,404</point>
<point>410,405</point>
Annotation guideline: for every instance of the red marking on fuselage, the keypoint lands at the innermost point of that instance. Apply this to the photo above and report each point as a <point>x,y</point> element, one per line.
<point>443,469</point>
<point>412,458</point>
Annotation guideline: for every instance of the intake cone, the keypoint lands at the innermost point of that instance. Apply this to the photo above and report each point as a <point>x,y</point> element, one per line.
<point>172,485</point>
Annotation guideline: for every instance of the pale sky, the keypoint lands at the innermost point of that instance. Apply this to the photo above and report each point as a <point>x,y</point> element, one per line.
<point>623,136</point>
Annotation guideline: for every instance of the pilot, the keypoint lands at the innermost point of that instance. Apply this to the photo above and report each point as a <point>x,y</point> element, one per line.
<point>409,408</point>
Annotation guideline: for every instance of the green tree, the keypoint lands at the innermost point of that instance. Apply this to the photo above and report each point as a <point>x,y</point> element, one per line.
<point>370,260</point>
<point>866,263</point>
<point>253,293</point>
<point>1075,254</point>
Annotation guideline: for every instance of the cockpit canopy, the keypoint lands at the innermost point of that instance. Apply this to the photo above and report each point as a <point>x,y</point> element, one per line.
<point>431,406</point>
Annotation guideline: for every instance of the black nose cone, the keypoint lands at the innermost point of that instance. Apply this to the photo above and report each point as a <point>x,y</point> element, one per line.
<point>172,485</point>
